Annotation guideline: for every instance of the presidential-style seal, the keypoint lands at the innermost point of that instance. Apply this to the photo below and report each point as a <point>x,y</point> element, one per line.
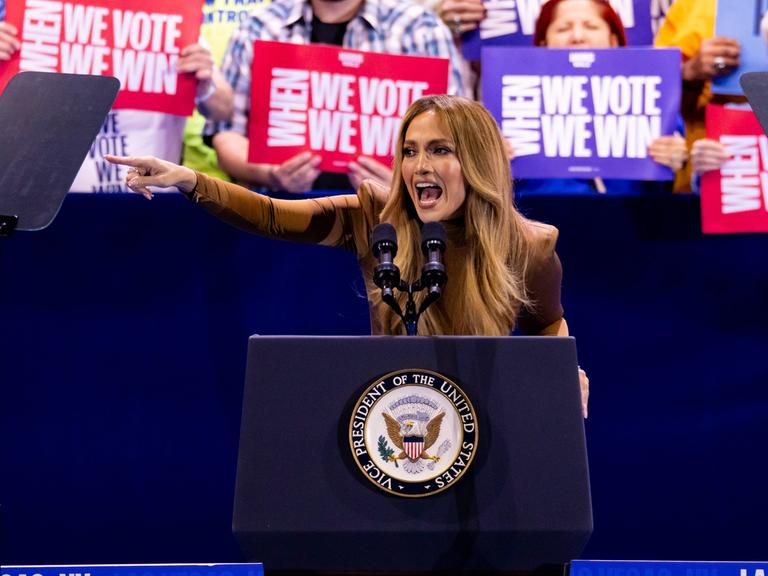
<point>413,433</point>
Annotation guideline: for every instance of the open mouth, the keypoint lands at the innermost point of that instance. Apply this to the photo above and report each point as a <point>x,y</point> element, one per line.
<point>429,193</point>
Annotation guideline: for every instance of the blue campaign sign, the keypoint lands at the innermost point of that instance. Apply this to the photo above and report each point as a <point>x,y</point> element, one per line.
<point>137,570</point>
<point>512,23</point>
<point>583,113</point>
<point>741,21</point>
<point>650,568</point>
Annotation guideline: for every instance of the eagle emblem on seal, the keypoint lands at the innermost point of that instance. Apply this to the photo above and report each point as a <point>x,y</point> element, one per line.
<point>413,425</point>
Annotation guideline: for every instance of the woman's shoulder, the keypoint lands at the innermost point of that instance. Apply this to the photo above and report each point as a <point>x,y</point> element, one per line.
<point>372,196</point>
<point>542,238</point>
<point>374,189</point>
<point>543,278</point>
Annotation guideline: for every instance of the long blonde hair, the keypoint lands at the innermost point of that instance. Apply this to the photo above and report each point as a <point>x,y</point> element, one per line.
<point>485,289</point>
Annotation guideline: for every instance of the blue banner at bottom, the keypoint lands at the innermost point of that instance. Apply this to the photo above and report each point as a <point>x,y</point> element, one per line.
<point>659,568</point>
<point>136,570</point>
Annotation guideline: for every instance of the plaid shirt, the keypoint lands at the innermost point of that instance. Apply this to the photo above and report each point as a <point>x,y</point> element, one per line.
<point>389,26</point>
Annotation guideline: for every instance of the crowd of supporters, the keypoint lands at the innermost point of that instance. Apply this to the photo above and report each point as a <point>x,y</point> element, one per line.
<point>221,62</point>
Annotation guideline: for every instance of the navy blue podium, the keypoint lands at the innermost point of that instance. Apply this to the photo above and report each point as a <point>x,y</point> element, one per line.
<point>301,504</point>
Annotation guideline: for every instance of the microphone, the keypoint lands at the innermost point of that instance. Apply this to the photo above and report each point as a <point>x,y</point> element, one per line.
<point>433,240</point>
<point>384,246</point>
<point>386,275</point>
<point>433,276</point>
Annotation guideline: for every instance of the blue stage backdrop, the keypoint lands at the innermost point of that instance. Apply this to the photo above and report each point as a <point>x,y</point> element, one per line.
<point>124,329</point>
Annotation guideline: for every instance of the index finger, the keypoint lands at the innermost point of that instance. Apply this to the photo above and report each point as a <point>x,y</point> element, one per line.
<point>135,161</point>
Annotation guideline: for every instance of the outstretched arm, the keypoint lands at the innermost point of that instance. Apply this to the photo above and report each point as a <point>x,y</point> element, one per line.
<point>333,220</point>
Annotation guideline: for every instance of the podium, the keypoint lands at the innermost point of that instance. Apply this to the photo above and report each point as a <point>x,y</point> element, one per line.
<point>302,504</point>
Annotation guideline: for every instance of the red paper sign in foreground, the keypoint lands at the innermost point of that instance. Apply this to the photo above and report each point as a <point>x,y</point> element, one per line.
<point>138,41</point>
<point>735,198</point>
<point>337,103</point>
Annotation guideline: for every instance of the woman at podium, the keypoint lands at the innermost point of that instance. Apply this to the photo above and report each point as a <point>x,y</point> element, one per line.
<point>450,166</point>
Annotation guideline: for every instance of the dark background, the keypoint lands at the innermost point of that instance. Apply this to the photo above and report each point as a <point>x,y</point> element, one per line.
<point>123,332</point>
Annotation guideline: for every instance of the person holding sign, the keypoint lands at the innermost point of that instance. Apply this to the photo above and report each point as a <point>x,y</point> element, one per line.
<point>690,26</point>
<point>450,166</point>
<point>126,129</point>
<point>388,26</point>
<point>595,24</point>
<point>220,18</point>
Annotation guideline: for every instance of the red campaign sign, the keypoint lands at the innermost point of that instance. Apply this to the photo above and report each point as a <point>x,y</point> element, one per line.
<point>138,41</point>
<point>735,198</point>
<point>337,103</point>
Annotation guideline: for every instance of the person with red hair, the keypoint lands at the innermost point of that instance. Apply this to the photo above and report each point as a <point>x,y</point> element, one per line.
<point>595,24</point>
<point>578,24</point>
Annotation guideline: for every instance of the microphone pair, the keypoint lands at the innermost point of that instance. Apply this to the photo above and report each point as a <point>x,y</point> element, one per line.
<point>386,275</point>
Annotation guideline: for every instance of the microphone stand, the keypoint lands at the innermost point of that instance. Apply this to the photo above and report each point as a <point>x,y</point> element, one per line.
<point>387,275</point>
<point>411,316</point>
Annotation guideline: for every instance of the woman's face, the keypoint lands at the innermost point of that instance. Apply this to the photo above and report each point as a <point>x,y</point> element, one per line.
<point>578,24</point>
<point>431,170</point>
